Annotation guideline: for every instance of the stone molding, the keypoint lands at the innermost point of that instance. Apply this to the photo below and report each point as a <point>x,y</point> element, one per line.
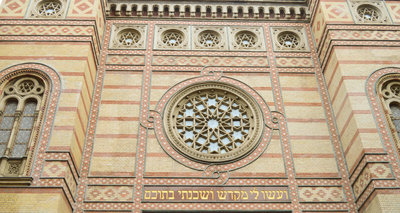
<point>220,10</point>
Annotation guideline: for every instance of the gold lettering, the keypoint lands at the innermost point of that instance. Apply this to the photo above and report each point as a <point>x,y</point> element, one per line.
<point>221,195</point>
<point>254,191</point>
<point>237,195</point>
<point>147,195</point>
<point>245,193</point>
<point>153,198</point>
<point>171,197</point>
<point>263,194</point>
<point>280,195</point>
<point>204,195</point>
<point>269,195</point>
<point>195,197</point>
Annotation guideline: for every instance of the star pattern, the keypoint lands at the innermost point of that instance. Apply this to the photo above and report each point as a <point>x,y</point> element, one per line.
<point>49,8</point>
<point>368,13</point>
<point>172,38</point>
<point>213,122</point>
<point>246,39</point>
<point>288,40</point>
<point>129,37</point>
<point>209,39</point>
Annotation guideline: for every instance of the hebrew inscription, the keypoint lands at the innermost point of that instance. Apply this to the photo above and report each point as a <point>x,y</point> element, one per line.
<point>215,194</point>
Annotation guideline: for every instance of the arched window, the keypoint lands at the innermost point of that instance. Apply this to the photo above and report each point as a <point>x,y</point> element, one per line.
<point>20,102</point>
<point>389,92</point>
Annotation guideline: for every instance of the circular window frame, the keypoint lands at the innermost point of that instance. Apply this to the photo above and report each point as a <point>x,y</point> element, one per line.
<point>299,40</point>
<point>215,33</point>
<point>240,45</point>
<point>180,146</point>
<point>126,30</point>
<point>166,44</point>
<point>370,6</point>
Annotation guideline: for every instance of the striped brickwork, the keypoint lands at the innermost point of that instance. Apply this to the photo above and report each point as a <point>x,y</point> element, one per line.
<point>103,146</point>
<point>350,56</point>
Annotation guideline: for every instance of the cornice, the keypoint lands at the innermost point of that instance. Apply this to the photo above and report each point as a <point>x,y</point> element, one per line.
<point>296,10</point>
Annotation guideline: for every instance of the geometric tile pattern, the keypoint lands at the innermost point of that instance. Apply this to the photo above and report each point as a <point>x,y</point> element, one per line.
<point>394,10</point>
<point>370,172</point>
<point>337,12</point>
<point>125,59</point>
<point>14,8</point>
<point>209,60</point>
<point>365,35</point>
<point>109,193</point>
<point>82,7</point>
<point>45,30</point>
<point>293,62</point>
<point>321,194</point>
<point>62,170</point>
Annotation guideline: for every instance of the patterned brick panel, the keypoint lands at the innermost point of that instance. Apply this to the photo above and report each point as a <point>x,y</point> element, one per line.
<point>208,61</point>
<point>13,8</point>
<point>45,30</point>
<point>62,170</point>
<point>109,193</point>
<point>370,172</point>
<point>394,10</point>
<point>321,194</point>
<point>125,59</point>
<point>82,8</point>
<point>293,62</point>
<point>365,35</point>
<point>337,12</point>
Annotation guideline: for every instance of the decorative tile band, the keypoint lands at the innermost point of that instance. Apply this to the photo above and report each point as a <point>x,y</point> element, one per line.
<point>294,62</point>
<point>210,61</point>
<point>109,193</point>
<point>321,194</point>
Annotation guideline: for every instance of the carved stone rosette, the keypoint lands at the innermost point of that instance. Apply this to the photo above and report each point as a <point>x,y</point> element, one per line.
<point>213,122</point>
<point>246,38</point>
<point>172,37</point>
<point>128,36</point>
<point>289,39</point>
<point>47,9</point>
<point>369,12</point>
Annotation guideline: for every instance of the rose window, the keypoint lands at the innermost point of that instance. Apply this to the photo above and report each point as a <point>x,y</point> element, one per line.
<point>368,13</point>
<point>246,39</point>
<point>49,8</point>
<point>288,40</point>
<point>213,122</point>
<point>209,39</point>
<point>129,37</point>
<point>172,38</point>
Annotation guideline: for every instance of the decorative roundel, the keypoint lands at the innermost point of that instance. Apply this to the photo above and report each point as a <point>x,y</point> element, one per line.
<point>245,39</point>
<point>368,13</point>
<point>288,40</point>
<point>209,39</point>
<point>172,38</point>
<point>49,8</point>
<point>129,37</point>
<point>213,122</point>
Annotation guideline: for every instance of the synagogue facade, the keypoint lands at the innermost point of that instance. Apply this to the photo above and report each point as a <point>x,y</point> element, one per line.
<point>199,106</point>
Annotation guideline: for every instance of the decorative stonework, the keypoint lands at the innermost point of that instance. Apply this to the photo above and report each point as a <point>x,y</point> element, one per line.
<point>209,38</point>
<point>249,38</point>
<point>289,39</point>
<point>370,172</point>
<point>172,37</point>
<point>321,194</point>
<point>369,12</point>
<point>128,37</point>
<point>48,9</point>
<point>213,122</point>
<point>178,60</point>
<point>109,193</point>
